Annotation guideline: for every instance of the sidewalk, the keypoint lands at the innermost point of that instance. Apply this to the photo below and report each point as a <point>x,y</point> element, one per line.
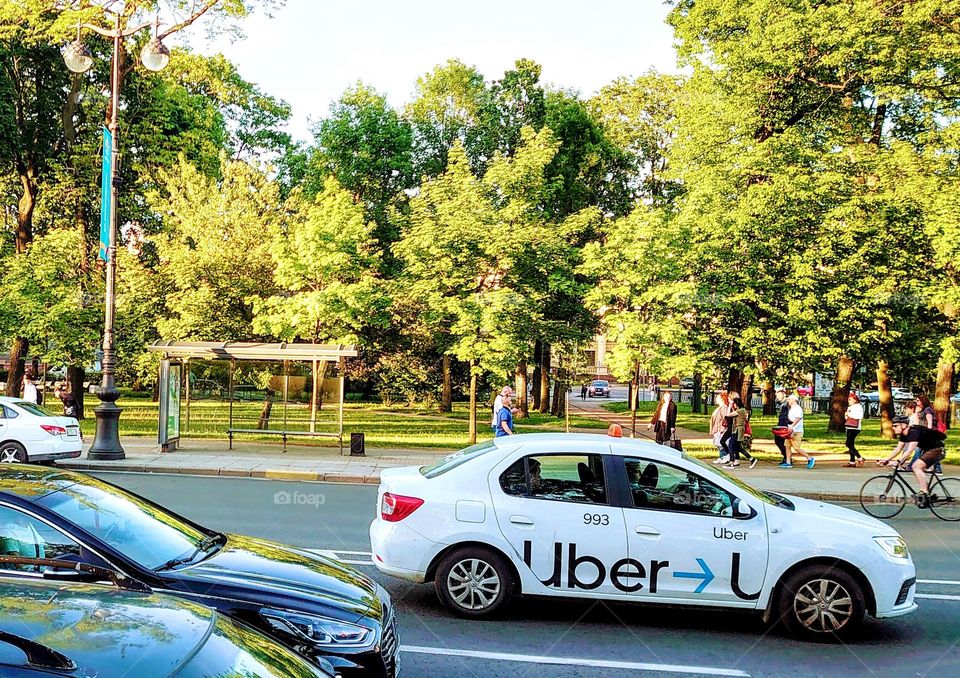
<point>828,481</point>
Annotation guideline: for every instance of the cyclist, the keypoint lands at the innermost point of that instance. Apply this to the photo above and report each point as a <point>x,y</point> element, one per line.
<point>930,443</point>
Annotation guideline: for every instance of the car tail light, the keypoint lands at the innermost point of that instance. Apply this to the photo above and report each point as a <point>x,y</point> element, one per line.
<point>396,507</point>
<point>54,430</point>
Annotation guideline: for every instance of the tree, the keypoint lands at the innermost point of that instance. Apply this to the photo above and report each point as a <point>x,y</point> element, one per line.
<point>214,252</point>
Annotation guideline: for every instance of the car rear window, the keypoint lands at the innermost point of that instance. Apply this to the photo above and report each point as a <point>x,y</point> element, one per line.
<point>34,409</point>
<point>450,462</point>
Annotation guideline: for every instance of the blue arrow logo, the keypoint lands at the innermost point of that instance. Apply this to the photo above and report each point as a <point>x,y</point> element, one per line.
<point>706,575</point>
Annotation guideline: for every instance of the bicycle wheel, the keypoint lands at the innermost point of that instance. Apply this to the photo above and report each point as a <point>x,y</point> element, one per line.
<point>945,499</point>
<point>883,496</point>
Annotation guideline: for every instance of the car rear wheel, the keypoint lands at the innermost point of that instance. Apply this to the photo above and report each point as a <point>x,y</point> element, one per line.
<point>822,603</point>
<point>474,582</point>
<point>12,453</point>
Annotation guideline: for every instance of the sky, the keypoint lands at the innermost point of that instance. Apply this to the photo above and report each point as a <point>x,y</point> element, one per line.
<point>310,51</point>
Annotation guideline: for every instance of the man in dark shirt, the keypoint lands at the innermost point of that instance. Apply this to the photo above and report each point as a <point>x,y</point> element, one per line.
<point>930,443</point>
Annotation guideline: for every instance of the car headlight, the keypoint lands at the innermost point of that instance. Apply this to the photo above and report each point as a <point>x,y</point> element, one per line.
<point>894,546</point>
<point>319,631</point>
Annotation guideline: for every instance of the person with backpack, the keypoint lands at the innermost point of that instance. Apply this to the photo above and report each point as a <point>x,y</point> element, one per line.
<point>740,432</point>
<point>68,400</point>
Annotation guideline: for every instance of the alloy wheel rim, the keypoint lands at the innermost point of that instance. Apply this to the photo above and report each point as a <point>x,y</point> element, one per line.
<point>9,455</point>
<point>823,605</point>
<point>473,584</point>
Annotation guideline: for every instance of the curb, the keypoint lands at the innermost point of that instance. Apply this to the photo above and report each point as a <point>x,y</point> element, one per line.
<point>350,478</point>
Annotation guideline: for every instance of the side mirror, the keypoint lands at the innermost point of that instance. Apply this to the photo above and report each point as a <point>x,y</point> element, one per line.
<point>741,509</point>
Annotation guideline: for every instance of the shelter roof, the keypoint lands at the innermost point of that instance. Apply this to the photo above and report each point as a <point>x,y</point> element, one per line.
<point>248,350</point>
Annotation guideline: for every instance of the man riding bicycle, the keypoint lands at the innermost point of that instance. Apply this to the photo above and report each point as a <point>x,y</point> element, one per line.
<point>930,442</point>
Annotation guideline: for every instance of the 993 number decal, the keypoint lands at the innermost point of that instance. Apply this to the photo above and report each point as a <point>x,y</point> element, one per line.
<point>596,519</point>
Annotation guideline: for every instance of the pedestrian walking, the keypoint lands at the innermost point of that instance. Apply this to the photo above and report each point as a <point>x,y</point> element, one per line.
<point>507,392</point>
<point>795,427</point>
<point>67,399</point>
<point>718,427</point>
<point>853,422</point>
<point>504,425</point>
<point>925,414</point>
<point>783,421</point>
<point>728,421</point>
<point>583,391</point>
<point>910,412</point>
<point>664,420</point>
<point>30,393</point>
<point>738,436</point>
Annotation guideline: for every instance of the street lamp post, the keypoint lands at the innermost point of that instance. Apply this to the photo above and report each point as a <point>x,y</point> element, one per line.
<point>106,440</point>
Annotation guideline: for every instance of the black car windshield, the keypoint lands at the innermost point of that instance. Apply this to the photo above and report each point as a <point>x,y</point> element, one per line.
<point>140,531</point>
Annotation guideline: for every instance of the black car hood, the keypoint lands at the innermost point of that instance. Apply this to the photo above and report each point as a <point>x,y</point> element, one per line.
<point>285,576</point>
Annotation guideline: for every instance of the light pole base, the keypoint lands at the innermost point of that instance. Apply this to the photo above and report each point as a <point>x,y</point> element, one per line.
<point>106,441</point>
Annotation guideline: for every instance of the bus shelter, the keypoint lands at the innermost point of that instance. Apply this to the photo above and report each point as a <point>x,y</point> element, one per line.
<point>307,377</point>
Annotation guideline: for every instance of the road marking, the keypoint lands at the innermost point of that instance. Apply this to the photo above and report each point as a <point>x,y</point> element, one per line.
<point>942,582</point>
<point>573,661</point>
<point>936,596</point>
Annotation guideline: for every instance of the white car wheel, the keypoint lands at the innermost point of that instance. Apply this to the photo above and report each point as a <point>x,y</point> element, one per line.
<point>12,453</point>
<point>474,582</point>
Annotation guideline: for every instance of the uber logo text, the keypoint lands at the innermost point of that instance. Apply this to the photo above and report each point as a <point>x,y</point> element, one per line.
<point>283,498</point>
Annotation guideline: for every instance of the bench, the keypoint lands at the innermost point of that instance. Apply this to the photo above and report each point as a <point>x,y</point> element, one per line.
<point>284,434</point>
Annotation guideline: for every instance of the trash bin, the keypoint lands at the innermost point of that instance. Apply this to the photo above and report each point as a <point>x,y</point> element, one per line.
<point>357,447</point>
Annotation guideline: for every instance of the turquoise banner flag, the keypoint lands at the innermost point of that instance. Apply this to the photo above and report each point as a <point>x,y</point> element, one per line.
<point>106,189</point>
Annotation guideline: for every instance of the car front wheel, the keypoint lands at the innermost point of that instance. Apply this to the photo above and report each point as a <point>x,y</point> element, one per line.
<point>474,582</point>
<point>12,453</point>
<point>822,603</point>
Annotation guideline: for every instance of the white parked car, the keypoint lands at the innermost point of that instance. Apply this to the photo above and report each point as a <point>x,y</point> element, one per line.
<point>593,516</point>
<point>31,433</point>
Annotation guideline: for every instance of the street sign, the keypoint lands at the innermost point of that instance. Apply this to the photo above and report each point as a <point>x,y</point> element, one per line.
<point>106,189</point>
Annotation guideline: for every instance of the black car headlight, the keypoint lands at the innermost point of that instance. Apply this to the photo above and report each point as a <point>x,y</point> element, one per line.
<point>319,631</point>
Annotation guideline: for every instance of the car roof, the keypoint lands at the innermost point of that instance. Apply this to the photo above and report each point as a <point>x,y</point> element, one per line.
<point>128,632</point>
<point>33,482</point>
<point>595,441</point>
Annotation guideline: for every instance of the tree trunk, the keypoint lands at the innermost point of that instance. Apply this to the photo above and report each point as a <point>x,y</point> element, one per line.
<point>941,402</point>
<point>520,377</point>
<point>634,400</point>
<point>696,397</point>
<point>746,391</point>
<point>559,392</point>
<point>769,397</point>
<point>446,394</point>
<point>25,207</point>
<point>735,380</point>
<point>264,422</point>
<point>18,356</point>
<point>473,403</point>
<point>75,375</point>
<point>545,378</point>
<point>886,399</point>
<point>841,391</point>
<point>537,358</point>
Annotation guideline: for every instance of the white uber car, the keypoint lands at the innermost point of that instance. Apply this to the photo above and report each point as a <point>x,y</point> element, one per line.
<point>30,433</point>
<point>605,517</point>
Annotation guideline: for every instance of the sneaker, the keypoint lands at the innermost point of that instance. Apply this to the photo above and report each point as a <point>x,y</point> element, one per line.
<point>923,501</point>
<point>722,460</point>
<point>753,462</point>
<point>859,462</point>
<point>732,464</point>
<point>851,464</point>
<point>811,462</point>
<point>785,465</point>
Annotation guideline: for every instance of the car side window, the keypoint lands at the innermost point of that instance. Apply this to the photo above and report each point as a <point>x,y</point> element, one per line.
<point>7,413</point>
<point>24,535</point>
<point>575,478</point>
<point>661,486</point>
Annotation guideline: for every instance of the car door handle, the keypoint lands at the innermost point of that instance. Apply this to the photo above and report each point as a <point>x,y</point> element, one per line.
<point>648,531</point>
<point>521,520</point>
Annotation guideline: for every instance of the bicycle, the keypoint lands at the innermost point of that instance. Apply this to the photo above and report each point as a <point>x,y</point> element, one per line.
<point>884,496</point>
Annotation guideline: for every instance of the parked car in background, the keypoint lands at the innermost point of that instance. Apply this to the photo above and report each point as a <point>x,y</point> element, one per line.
<point>32,433</point>
<point>598,389</point>
<point>896,392</point>
<point>81,630</point>
<point>686,382</point>
<point>804,391</point>
<point>321,607</point>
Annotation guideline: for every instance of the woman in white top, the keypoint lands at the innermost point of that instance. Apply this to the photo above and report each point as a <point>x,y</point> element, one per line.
<point>29,389</point>
<point>854,423</point>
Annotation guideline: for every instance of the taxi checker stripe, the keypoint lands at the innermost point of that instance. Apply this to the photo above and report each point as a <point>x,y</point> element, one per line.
<point>573,661</point>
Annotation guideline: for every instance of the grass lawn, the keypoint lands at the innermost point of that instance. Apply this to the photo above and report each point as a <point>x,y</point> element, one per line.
<point>383,426</point>
<point>816,437</point>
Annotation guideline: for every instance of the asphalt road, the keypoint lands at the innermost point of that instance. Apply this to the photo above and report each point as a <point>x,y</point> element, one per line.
<point>584,639</point>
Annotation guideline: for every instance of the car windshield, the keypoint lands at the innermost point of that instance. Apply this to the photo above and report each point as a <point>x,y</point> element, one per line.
<point>452,461</point>
<point>601,383</point>
<point>34,409</point>
<point>752,491</point>
<point>140,531</point>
